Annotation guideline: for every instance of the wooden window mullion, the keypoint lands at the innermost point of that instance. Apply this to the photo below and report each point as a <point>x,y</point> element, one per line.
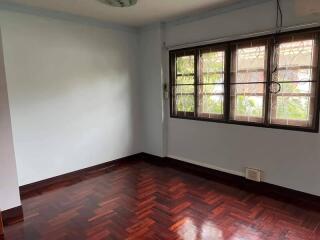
<point>316,85</point>
<point>227,74</point>
<point>316,76</point>
<point>196,80</point>
<point>231,77</point>
<point>267,107</point>
<point>273,98</point>
<point>172,82</point>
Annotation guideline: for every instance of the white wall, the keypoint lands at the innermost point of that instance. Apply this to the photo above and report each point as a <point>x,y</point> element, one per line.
<point>151,89</point>
<point>257,18</point>
<point>290,159</point>
<point>73,94</point>
<point>9,191</point>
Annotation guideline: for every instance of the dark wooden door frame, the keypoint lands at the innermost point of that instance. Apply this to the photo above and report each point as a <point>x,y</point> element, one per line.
<point>1,225</point>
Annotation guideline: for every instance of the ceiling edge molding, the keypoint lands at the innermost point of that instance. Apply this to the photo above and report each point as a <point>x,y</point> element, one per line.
<point>213,12</point>
<point>20,8</point>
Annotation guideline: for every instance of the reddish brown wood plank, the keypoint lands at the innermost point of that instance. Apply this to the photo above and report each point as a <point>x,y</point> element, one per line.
<point>145,201</point>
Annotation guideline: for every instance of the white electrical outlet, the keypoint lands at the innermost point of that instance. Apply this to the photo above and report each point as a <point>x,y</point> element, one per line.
<point>253,174</point>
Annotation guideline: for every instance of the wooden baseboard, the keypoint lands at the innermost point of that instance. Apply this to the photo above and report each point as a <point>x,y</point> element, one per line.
<point>297,198</point>
<point>12,216</point>
<point>68,179</point>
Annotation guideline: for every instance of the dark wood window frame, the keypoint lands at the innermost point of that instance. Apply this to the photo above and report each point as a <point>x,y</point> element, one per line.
<point>200,84</point>
<point>227,47</point>
<point>247,44</point>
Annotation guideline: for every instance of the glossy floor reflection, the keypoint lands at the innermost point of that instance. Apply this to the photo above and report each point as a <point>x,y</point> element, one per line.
<point>142,201</point>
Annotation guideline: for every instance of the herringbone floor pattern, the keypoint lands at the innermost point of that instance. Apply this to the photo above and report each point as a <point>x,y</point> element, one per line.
<point>143,201</point>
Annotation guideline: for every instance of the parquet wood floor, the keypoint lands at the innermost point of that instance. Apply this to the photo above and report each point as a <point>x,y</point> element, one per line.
<point>143,201</point>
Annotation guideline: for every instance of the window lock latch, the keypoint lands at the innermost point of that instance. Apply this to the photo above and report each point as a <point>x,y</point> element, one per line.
<point>275,87</point>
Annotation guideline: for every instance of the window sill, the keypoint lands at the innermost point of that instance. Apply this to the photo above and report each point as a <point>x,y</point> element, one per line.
<point>253,124</point>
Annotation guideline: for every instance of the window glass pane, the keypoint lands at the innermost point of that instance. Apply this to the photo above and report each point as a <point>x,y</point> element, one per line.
<point>296,53</point>
<point>211,87</point>
<point>248,102</point>
<point>185,89</point>
<point>292,108</point>
<point>249,106</point>
<point>185,80</point>
<point>185,103</point>
<point>302,74</point>
<point>212,78</point>
<point>294,104</point>
<point>212,67</point>
<point>245,77</point>
<point>216,88</point>
<point>248,88</point>
<point>211,100</point>
<point>184,98</point>
<point>212,104</point>
<point>295,88</point>
<point>185,65</point>
<point>251,58</point>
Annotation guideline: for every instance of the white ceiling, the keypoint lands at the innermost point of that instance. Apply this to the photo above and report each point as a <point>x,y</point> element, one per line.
<point>143,13</point>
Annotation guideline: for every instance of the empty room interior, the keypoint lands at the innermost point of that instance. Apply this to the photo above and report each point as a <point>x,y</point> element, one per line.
<point>159,119</point>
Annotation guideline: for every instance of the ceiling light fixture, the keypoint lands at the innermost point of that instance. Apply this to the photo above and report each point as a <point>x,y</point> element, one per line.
<point>119,3</point>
